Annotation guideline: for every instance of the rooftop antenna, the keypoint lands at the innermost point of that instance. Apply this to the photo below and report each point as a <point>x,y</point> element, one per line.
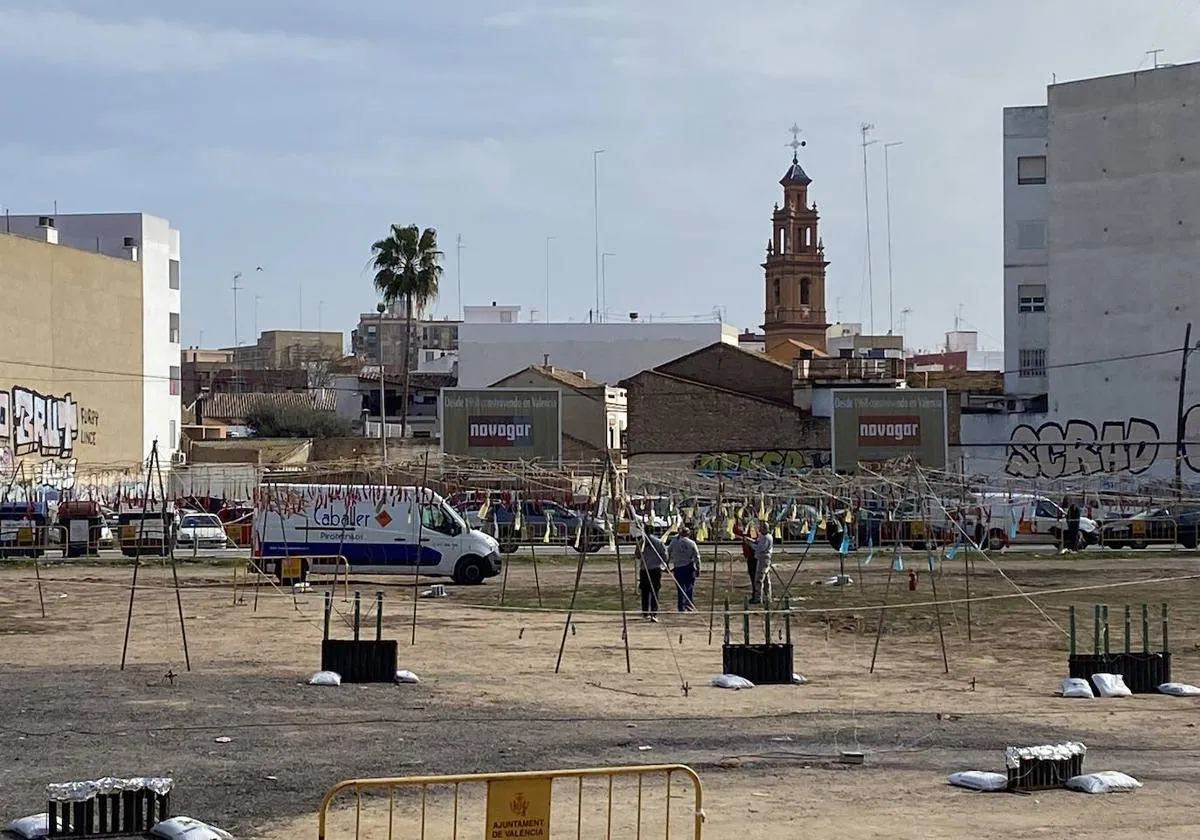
<point>904,313</point>
<point>887,192</point>
<point>1154,56</point>
<point>866,129</point>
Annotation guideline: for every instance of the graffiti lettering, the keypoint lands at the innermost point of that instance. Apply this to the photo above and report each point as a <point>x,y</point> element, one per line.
<point>89,420</point>
<point>1078,447</point>
<point>775,461</point>
<point>42,425</point>
<point>56,475</point>
<point>5,416</point>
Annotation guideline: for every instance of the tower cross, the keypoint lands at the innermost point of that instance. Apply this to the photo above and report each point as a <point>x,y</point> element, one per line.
<point>796,143</point>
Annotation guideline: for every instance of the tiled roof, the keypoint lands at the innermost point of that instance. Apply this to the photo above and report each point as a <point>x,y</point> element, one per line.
<point>417,381</point>
<point>221,406</point>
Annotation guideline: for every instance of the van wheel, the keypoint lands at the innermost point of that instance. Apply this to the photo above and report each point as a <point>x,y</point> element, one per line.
<point>470,571</point>
<point>995,541</point>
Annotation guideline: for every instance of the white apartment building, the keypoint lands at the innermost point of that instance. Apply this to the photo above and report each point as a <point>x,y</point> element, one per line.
<point>152,242</point>
<point>606,352</point>
<point>1101,254</point>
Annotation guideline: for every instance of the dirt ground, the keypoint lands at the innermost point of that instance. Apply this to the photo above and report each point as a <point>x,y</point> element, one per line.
<point>490,699</point>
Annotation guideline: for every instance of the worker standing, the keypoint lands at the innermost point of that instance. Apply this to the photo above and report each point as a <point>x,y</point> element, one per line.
<point>684,555</point>
<point>762,548</point>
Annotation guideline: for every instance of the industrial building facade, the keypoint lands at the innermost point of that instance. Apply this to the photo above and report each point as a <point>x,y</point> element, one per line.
<point>58,415</point>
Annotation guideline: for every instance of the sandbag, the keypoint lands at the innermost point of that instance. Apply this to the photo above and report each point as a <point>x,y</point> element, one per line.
<point>186,828</point>
<point>979,780</point>
<point>407,677</point>
<point>1111,685</point>
<point>731,681</point>
<point>1106,781</point>
<point>33,827</point>
<point>1075,688</point>
<point>325,678</point>
<point>1179,690</point>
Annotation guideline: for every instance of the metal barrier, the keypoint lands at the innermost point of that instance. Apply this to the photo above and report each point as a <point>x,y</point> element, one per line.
<point>1139,533</point>
<point>291,568</point>
<point>32,540</point>
<point>518,805</point>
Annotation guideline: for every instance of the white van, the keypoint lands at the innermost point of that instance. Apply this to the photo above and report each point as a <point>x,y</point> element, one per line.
<point>1024,519</point>
<point>377,529</point>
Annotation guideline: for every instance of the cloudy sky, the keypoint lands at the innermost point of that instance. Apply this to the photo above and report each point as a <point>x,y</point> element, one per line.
<point>290,133</point>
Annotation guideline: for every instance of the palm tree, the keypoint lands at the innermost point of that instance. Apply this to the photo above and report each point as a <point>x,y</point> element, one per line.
<point>407,267</point>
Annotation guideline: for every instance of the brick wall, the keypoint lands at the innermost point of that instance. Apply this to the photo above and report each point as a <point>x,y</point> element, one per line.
<point>669,415</point>
<point>726,366</point>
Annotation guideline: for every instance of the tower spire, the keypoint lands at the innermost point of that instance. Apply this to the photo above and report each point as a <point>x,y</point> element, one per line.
<point>796,143</point>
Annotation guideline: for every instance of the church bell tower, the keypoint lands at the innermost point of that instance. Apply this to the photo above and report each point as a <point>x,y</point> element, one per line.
<point>794,321</point>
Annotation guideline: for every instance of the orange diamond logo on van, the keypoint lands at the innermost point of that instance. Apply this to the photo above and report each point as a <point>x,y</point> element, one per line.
<point>383,518</point>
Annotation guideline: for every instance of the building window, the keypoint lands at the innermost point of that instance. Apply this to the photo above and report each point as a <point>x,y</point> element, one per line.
<point>775,291</point>
<point>805,290</point>
<point>176,376</point>
<point>172,436</point>
<point>173,328</point>
<point>173,274</point>
<point>1031,235</point>
<point>1032,362</point>
<point>1031,170</point>
<point>1031,298</point>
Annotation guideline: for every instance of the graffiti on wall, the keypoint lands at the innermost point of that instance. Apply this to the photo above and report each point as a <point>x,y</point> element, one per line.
<point>43,425</point>
<point>1083,448</point>
<point>776,461</point>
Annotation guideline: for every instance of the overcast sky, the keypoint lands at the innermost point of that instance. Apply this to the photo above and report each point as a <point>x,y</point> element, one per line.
<point>290,133</point>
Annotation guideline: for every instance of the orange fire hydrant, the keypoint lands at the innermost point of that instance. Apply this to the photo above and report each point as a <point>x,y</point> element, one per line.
<point>912,580</point>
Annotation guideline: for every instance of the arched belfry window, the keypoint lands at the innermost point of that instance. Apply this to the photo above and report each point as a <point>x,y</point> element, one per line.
<point>805,291</point>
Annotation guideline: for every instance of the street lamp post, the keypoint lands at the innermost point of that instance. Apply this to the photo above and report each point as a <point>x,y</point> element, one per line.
<point>380,308</point>
<point>604,284</point>
<point>596,221</point>
<point>887,200</point>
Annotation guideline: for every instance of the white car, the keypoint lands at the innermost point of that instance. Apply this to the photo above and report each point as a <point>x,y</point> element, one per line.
<point>200,530</point>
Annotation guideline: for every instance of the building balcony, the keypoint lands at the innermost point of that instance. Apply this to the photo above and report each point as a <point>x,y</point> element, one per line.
<point>852,370</point>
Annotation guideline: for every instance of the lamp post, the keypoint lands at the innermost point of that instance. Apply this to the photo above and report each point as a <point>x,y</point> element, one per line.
<point>236,341</point>
<point>381,308</point>
<point>596,220</point>
<point>604,284</point>
<point>887,201</point>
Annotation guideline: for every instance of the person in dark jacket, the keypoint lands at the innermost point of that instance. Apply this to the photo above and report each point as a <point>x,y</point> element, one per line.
<point>652,555</point>
<point>1071,538</point>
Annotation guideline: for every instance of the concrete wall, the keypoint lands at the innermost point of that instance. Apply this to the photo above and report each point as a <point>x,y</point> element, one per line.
<point>606,352</point>
<point>71,386</point>
<point>1024,204</point>
<point>157,245</point>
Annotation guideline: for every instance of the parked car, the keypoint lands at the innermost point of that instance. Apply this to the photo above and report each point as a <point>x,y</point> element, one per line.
<point>1158,526</point>
<point>200,531</point>
<point>537,516</point>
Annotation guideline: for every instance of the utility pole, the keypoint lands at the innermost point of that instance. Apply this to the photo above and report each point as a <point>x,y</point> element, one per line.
<point>866,129</point>
<point>381,308</point>
<point>887,192</point>
<point>458,249</point>
<point>596,220</point>
<point>549,239</point>
<point>1180,416</point>
<point>257,298</point>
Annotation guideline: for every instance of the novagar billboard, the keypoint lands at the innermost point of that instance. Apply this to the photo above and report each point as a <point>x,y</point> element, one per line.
<point>879,425</point>
<point>502,424</point>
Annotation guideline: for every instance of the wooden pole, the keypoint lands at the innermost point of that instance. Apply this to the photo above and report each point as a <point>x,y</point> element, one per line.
<point>162,491</point>
<point>578,577</point>
<point>1071,625</point>
<point>137,551</point>
<point>937,611</point>
<point>612,488</point>
<point>887,588</point>
<point>379,616</point>
<point>419,501</point>
<point>967,571</point>
<point>357,612</point>
<point>1145,628</point>
<point>716,540</point>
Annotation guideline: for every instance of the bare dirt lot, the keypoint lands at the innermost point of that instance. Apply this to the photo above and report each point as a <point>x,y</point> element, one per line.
<point>490,700</point>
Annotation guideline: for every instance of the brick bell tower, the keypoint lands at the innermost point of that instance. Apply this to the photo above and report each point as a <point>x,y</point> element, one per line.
<point>794,270</point>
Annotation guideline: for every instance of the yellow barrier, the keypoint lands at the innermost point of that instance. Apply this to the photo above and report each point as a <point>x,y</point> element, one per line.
<point>292,564</point>
<point>518,805</point>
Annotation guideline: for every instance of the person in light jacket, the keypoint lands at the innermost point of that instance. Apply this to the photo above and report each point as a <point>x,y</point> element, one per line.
<point>684,555</point>
<point>652,555</point>
<point>762,547</point>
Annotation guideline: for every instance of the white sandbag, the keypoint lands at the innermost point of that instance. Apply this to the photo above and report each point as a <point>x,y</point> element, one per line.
<point>1076,688</point>
<point>979,780</point>
<point>186,828</point>
<point>1111,685</point>
<point>799,679</point>
<point>1107,781</point>
<point>325,678</point>
<point>1179,690</point>
<point>407,677</point>
<point>731,681</point>
<point>33,827</point>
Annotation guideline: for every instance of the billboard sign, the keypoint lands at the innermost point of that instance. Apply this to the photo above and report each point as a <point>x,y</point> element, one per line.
<point>872,425</point>
<point>502,424</point>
